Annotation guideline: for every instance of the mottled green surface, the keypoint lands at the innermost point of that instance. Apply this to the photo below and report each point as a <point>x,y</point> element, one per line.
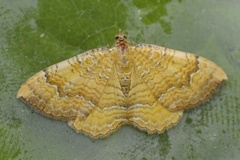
<point>35,34</point>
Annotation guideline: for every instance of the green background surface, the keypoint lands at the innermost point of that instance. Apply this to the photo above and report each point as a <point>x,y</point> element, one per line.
<point>35,34</point>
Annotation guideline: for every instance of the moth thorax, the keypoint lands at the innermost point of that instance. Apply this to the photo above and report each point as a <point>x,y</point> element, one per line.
<point>124,75</point>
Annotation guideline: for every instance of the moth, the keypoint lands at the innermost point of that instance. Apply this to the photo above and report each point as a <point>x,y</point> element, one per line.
<point>143,85</point>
